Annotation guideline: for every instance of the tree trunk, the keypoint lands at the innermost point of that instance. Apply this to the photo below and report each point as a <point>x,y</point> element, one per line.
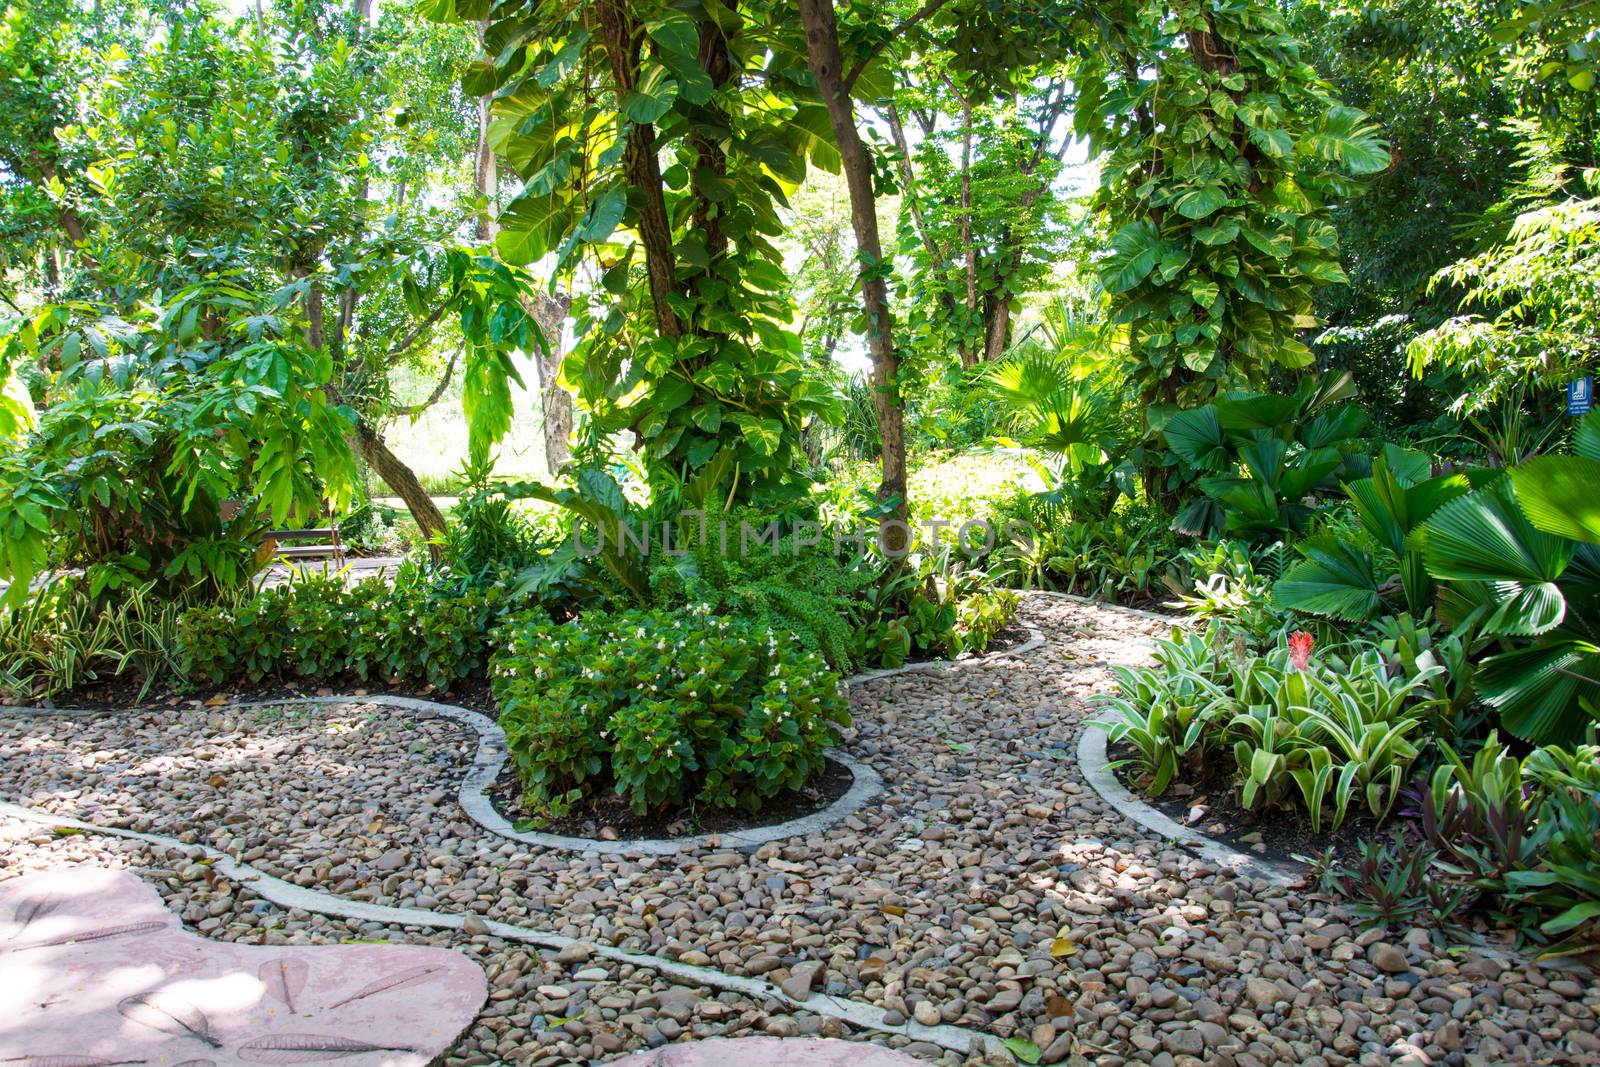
<point>969,251</point>
<point>822,45</point>
<point>621,38</point>
<point>549,312</point>
<point>998,328</point>
<point>369,445</point>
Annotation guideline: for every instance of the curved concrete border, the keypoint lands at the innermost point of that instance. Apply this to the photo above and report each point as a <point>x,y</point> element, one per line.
<point>1034,642</point>
<point>490,759</point>
<point>287,895</point>
<point>1096,768</point>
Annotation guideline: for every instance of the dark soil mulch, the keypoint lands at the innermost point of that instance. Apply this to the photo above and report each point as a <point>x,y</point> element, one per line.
<point>1013,636</point>
<point>604,813</point>
<point>1281,835</point>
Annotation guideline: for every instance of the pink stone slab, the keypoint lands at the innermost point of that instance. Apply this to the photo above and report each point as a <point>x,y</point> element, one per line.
<point>768,1052</point>
<point>94,971</point>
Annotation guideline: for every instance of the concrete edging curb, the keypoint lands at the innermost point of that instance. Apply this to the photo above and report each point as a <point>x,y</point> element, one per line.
<point>492,752</point>
<point>290,896</point>
<point>1096,768</point>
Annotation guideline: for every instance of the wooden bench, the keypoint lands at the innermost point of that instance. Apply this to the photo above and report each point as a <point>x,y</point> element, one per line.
<point>326,538</point>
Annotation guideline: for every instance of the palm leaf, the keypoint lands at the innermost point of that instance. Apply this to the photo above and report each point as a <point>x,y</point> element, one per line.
<point>1561,495</point>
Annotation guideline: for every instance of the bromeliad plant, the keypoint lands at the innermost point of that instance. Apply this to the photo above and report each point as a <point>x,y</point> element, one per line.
<point>1331,735</point>
<point>1318,736</point>
<point>1169,714</point>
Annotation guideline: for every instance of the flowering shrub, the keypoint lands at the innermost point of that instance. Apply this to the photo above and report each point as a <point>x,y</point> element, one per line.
<point>664,708</point>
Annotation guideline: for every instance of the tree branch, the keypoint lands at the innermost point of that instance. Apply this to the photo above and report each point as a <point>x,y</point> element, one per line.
<point>406,343</point>
<point>411,411</point>
<point>908,178</point>
<point>925,12</point>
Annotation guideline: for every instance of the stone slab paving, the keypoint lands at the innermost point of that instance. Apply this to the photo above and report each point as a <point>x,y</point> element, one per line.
<point>940,901</point>
<point>94,969</point>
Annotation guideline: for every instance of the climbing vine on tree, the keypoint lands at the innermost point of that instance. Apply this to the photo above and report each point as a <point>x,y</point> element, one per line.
<point>657,144</point>
<point>1225,151</point>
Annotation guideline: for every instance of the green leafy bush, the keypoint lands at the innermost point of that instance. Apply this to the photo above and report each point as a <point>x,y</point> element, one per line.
<point>665,708</point>
<point>316,627</point>
<point>168,470</point>
<point>64,637</point>
<point>1324,736</point>
<point>1233,583</point>
<point>809,591</point>
<point>1523,833</point>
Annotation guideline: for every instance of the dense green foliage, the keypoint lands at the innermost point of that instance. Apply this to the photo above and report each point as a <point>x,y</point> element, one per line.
<point>663,708</point>
<point>319,627</point>
<point>1219,173</point>
<point>1046,281</point>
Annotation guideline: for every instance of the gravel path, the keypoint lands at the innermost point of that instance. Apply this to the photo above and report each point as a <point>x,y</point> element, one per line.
<point>940,901</point>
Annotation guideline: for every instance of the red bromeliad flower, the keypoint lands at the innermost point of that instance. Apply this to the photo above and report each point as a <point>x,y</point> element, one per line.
<point>1300,644</point>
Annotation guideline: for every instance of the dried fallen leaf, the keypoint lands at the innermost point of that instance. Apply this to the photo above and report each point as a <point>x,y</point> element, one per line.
<point>1062,947</point>
<point>216,781</point>
<point>893,909</point>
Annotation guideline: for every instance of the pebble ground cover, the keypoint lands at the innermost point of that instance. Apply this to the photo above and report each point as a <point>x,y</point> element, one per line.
<point>989,887</point>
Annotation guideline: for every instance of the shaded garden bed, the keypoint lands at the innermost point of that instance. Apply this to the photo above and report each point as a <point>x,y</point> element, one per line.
<point>607,817</point>
<point>1276,834</point>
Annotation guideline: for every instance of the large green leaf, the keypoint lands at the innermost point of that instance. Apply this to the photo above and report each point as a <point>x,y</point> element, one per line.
<point>1336,579</point>
<point>1538,690</point>
<point>656,94</point>
<point>1340,423</point>
<point>1586,442</point>
<point>603,215</point>
<point>1135,250</point>
<point>1344,137</point>
<point>1199,202</point>
<point>1485,537</point>
<point>1196,437</point>
<point>1256,411</point>
<point>1561,495</point>
<point>1309,472</point>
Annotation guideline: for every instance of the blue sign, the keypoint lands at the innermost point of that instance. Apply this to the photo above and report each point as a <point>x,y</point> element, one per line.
<point>1580,395</point>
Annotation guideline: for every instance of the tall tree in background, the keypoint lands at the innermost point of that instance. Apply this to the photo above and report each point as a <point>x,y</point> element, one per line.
<point>978,188</point>
<point>656,145</point>
<point>835,83</point>
<point>292,153</point>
